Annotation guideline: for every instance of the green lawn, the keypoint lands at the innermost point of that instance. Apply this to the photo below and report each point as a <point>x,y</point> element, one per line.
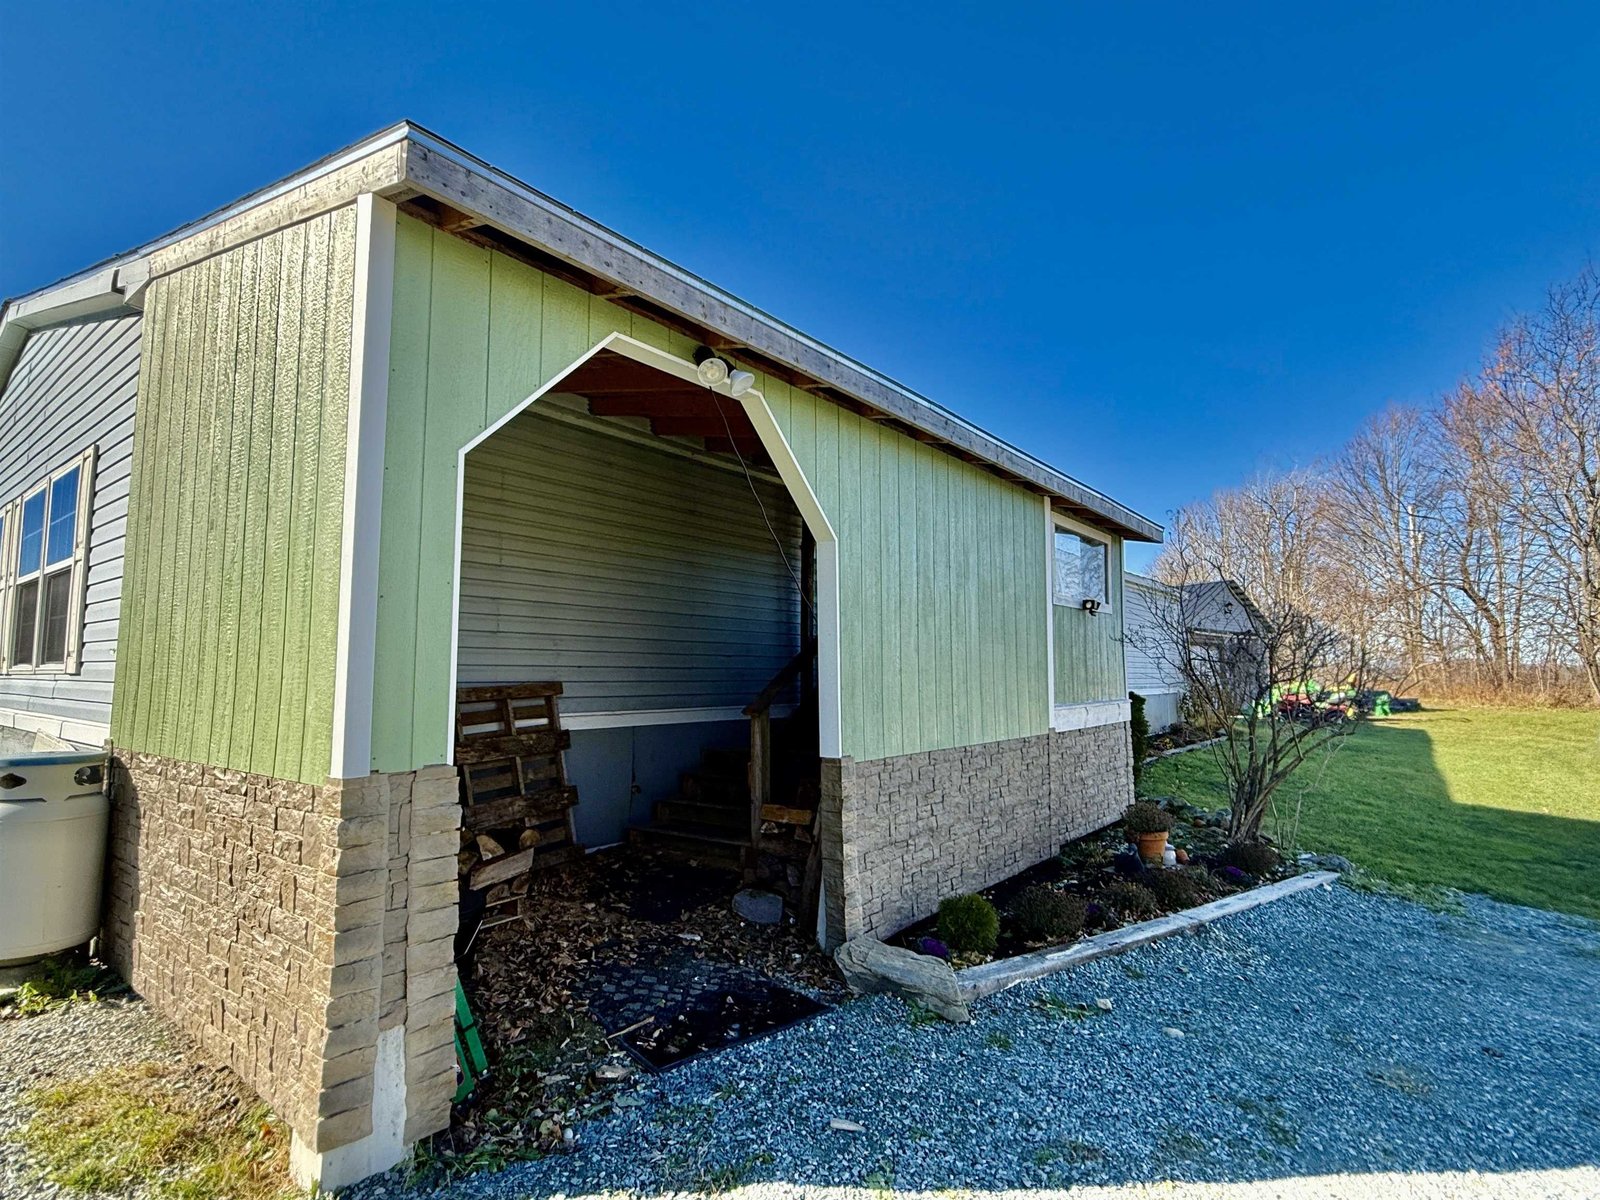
<point>1500,801</point>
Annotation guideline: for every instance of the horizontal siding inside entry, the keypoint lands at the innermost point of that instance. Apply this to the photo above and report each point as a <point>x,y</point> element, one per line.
<point>638,578</point>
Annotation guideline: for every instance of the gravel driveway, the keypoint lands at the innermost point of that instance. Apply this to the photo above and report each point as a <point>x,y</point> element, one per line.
<point>1331,1044</point>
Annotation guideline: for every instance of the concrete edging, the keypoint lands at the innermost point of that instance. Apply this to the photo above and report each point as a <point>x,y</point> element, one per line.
<point>986,980</point>
<point>1160,754</point>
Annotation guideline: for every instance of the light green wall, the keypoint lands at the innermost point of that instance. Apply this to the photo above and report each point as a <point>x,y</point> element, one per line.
<point>225,653</point>
<point>1089,648</point>
<point>941,564</point>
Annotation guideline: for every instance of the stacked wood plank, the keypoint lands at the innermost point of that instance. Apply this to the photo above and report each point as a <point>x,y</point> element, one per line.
<point>516,801</point>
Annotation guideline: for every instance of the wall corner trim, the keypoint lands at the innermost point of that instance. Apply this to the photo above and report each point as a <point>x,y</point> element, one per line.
<point>372,315</point>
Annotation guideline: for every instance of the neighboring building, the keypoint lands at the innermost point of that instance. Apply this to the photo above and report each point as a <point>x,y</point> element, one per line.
<point>1211,614</point>
<point>404,423</point>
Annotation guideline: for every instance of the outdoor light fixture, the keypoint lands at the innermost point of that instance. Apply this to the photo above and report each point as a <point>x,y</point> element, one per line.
<point>711,369</point>
<point>740,382</point>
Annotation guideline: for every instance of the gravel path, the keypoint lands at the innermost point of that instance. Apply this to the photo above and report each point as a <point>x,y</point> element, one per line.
<point>1333,1044</point>
<point>1328,1044</point>
<point>65,1043</point>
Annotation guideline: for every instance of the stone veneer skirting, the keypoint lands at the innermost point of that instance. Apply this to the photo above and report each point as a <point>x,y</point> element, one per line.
<point>901,834</point>
<point>283,926</point>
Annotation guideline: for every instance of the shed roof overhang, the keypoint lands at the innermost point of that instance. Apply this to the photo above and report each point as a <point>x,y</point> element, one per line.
<point>439,182</point>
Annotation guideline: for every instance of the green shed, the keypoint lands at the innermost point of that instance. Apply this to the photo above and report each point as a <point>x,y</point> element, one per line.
<point>406,426</point>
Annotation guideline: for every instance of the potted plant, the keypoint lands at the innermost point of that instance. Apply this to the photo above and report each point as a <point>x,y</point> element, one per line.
<point>1148,824</point>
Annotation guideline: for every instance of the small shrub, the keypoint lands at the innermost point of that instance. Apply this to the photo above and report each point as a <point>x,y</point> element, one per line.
<point>969,924</point>
<point>1253,858</point>
<point>1042,914</point>
<point>1139,729</point>
<point>1176,889</point>
<point>1130,900</point>
<point>1145,817</point>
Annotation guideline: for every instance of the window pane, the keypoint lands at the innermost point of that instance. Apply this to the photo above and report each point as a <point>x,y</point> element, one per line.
<point>32,534</point>
<point>57,603</point>
<point>1093,563</point>
<point>63,518</point>
<point>1068,584</point>
<point>27,612</point>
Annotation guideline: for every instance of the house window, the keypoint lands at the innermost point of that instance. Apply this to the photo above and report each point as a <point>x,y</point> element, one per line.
<point>43,558</point>
<point>1080,570</point>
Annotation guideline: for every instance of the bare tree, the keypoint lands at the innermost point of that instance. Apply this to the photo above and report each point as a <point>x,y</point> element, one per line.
<point>1456,546</point>
<point>1282,685</point>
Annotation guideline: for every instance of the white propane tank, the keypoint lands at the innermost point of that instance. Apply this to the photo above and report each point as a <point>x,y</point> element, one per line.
<point>53,820</point>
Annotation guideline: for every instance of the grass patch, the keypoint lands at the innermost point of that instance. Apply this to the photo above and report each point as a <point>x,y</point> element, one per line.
<point>58,982</point>
<point>998,1041</point>
<point>1505,802</point>
<point>176,1132</point>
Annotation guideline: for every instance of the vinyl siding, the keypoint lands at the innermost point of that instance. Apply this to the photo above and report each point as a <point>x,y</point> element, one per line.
<point>1089,647</point>
<point>639,578</point>
<point>74,386</point>
<point>1152,656</point>
<point>227,641</point>
<point>941,564</point>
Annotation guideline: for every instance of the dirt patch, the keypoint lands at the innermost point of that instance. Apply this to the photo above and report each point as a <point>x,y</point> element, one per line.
<point>626,942</point>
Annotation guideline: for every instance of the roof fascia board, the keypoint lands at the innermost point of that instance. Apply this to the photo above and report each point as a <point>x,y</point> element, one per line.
<point>107,290</point>
<point>448,173</point>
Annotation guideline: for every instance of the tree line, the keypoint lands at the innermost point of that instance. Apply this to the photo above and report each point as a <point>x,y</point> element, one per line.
<point>1456,544</point>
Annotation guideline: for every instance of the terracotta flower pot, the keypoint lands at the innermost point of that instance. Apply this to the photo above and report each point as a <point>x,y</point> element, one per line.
<point>1152,846</point>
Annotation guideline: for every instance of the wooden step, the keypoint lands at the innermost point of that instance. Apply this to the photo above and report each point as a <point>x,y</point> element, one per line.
<point>689,812</point>
<point>701,788</point>
<point>706,843</point>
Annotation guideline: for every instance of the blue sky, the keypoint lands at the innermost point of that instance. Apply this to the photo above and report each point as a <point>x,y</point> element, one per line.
<point>1161,246</point>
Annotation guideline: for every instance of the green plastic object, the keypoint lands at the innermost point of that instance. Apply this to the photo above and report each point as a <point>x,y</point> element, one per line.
<point>471,1062</point>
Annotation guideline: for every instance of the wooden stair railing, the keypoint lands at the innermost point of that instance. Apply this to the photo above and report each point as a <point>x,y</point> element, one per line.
<point>759,711</point>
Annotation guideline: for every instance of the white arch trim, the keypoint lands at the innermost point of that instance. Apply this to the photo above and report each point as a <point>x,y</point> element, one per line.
<point>830,727</point>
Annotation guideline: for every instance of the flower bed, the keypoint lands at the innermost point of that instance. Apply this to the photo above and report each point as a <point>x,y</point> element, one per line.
<point>1099,884</point>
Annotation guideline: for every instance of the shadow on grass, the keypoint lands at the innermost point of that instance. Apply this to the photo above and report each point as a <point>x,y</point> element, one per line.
<point>1384,801</point>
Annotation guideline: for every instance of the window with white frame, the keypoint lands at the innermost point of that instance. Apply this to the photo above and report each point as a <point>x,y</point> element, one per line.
<point>44,541</point>
<point>1081,564</point>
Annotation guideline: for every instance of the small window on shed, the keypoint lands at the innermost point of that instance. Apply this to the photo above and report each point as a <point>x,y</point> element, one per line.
<point>1081,565</point>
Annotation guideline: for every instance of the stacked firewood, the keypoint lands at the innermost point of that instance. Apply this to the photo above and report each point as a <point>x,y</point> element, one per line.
<point>516,802</point>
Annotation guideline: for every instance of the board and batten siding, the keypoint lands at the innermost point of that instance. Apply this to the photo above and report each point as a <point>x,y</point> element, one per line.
<point>1089,646</point>
<point>941,565</point>
<point>228,636</point>
<point>640,578</point>
<point>75,386</point>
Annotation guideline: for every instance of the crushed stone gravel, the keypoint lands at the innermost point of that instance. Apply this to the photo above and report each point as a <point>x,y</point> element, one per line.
<point>67,1042</point>
<point>1333,1043</point>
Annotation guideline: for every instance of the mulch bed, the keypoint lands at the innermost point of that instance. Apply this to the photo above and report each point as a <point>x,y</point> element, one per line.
<point>1094,866</point>
<point>620,937</point>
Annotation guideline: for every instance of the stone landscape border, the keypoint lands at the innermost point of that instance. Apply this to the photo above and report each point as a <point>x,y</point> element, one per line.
<point>985,980</point>
<point>1160,754</point>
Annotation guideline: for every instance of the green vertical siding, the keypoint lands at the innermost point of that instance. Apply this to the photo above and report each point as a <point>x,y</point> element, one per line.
<point>1089,649</point>
<point>227,641</point>
<point>941,564</point>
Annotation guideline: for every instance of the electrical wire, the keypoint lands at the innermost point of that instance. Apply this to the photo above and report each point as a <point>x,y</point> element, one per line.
<point>751,483</point>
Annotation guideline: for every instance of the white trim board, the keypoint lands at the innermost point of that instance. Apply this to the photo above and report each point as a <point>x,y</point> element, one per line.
<point>84,733</point>
<point>830,731</point>
<point>634,718</point>
<point>370,322</point>
<point>1089,715</point>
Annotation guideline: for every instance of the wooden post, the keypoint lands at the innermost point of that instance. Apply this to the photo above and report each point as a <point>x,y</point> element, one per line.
<point>760,779</point>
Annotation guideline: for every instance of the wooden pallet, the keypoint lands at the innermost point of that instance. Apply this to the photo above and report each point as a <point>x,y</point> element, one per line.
<point>516,801</point>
